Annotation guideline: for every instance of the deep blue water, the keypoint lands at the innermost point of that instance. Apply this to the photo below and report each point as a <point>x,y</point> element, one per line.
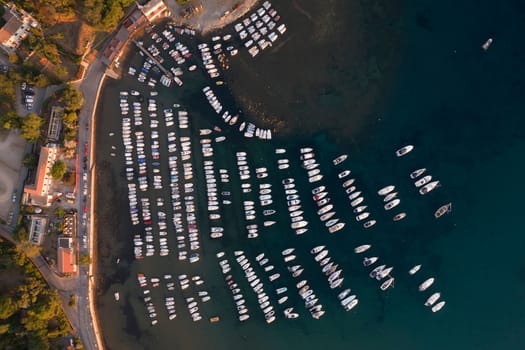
<point>461,108</point>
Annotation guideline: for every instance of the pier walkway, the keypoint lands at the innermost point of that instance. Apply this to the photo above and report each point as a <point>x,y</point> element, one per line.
<point>157,63</point>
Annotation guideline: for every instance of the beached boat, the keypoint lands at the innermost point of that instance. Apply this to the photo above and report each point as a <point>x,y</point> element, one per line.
<point>414,270</point>
<point>426,284</point>
<point>362,248</point>
<point>417,173</point>
<point>432,299</point>
<point>404,150</point>
<point>340,159</point>
<point>386,190</point>
<point>429,187</point>
<point>444,209</point>
<point>438,306</point>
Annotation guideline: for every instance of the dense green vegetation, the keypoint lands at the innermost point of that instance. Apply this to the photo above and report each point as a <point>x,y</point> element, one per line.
<point>101,14</point>
<point>58,170</point>
<point>31,316</point>
<point>31,127</point>
<point>30,161</point>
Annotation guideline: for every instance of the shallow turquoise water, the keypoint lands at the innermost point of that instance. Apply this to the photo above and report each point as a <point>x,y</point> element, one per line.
<point>461,108</point>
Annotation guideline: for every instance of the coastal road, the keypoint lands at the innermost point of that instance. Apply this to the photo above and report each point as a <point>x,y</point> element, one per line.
<point>89,86</point>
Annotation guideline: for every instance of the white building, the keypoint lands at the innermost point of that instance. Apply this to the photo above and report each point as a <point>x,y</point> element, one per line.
<point>17,25</point>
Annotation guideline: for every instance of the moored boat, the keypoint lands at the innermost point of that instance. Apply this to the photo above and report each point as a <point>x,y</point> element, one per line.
<point>386,190</point>
<point>362,248</point>
<point>417,173</point>
<point>404,150</point>
<point>429,187</point>
<point>369,223</point>
<point>317,249</point>
<point>336,227</point>
<point>369,261</point>
<point>387,284</point>
<point>423,181</point>
<point>399,216</point>
<point>392,204</point>
<point>426,284</point>
<point>444,209</point>
<point>438,306</point>
<point>432,299</point>
<point>340,159</point>
<point>414,270</point>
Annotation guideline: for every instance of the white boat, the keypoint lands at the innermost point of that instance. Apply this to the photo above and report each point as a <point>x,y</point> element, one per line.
<point>487,44</point>
<point>317,249</point>
<point>343,294</point>
<point>429,187</point>
<point>362,248</point>
<point>426,284</point>
<point>269,223</point>
<point>360,209</point>
<point>315,178</point>
<point>369,223</point>
<point>376,271</point>
<point>306,150</point>
<point>347,300</point>
<point>301,284</point>
<point>392,204</point>
<point>117,296</point>
<point>438,306</point>
<point>386,190</point>
<point>340,159</point>
<point>327,216</point>
<point>299,224</point>
<point>348,182</point>
<point>288,251</point>
<point>352,304</point>
<point>343,174</point>
<point>390,196</point>
<point>354,195</point>
<point>280,151</point>
<point>337,283</point>
<point>417,173</point>
<point>318,189</point>
<point>289,258</point>
<point>432,299</point>
<point>387,284</point>
<point>369,261</point>
<point>384,273</point>
<point>325,209</point>
<point>350,189</point>
<point>357,201</point>
<point>331,222</point>
<point>414,270</point>
<point>319,196</point>
<point>336,227</point>
<point>320,256</point>
<point>399,216</point>
<point>204,131</point>
<point>362,216</point>
<point>404,150</point>
<point>423,181</point>
<point>444,209</point>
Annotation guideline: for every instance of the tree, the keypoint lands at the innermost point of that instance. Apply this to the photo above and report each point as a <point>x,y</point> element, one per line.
<point>58,170</point>
<point>69,179</point>
<point>4,328</point>
<point>7,307</point>
<point>21,234</point>
<point>59,212</point>
<point>73,98</point>
<point>84,259</point>
<point>31,127</point>
<point>30,161</point>
<point>70,119</point>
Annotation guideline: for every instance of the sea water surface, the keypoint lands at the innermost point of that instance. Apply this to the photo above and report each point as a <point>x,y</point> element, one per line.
<point>375,79</point>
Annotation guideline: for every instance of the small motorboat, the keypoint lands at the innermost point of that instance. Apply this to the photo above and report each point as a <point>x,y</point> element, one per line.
<point>340,159</point>
<point>362,248</point>
<point>336,227</point>
<point>423,181</point>
<point>387,284</point>
<point>369,261</point>
<point>487,44</point>
<point>426,284</point>
<point>417,173</point>
<point>386,190</point>
<point>288,251</point>
<point>444,209</point>
<point>414,270</point>
<point>369,223</point>
<point>438,306</point>
<point>317,249</point>
<point>432,299</point>
<point>429,187</point>
<point>392,204</point>
<point>390,196</point>
<point>404,150</point>
<point>343,174</point>
<point>399,216</point>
